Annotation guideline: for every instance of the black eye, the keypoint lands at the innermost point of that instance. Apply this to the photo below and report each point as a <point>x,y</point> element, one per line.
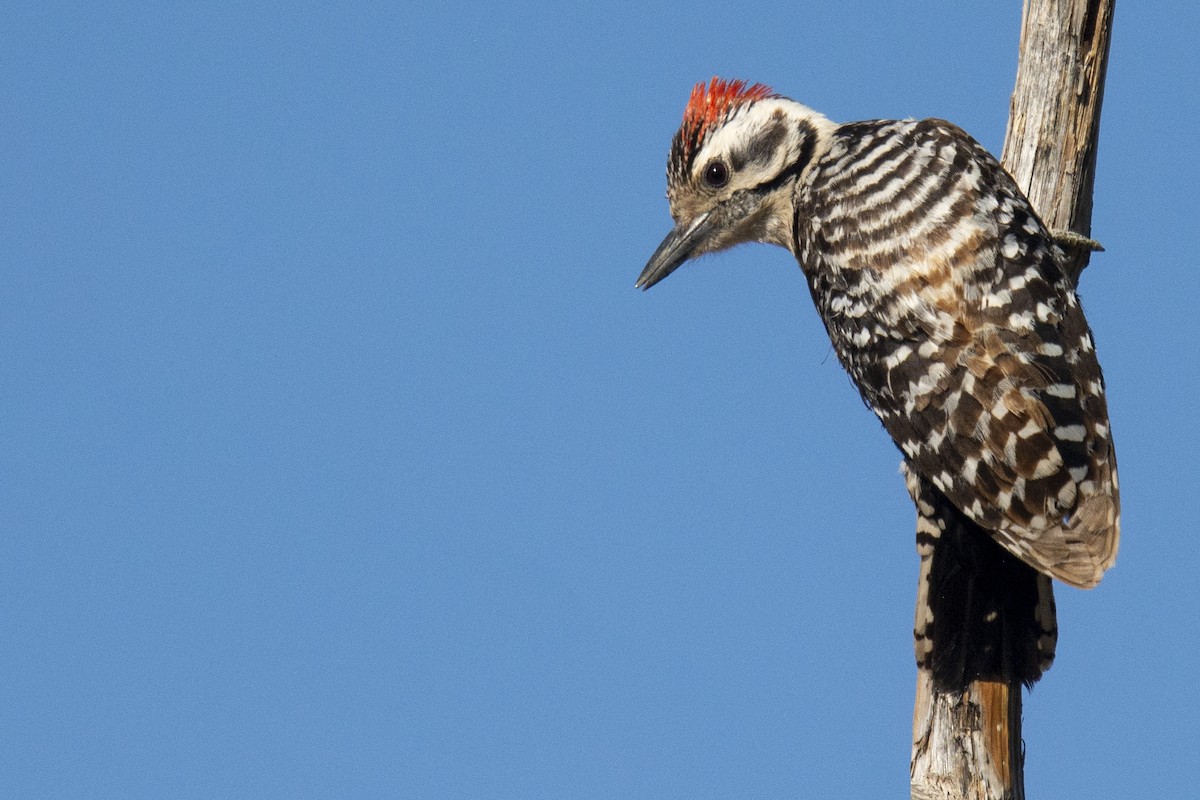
<point>716,174</point>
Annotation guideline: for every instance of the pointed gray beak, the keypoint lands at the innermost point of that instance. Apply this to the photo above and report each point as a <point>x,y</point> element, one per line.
<point>680,245</point>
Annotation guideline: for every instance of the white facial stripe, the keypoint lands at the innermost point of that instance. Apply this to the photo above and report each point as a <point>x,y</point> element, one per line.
<point>739,132</point>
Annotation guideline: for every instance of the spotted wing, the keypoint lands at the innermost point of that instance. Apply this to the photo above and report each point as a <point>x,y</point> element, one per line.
<point>945,299</point>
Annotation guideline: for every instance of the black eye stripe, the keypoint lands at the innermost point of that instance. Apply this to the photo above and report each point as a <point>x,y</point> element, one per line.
<point>762,147</point>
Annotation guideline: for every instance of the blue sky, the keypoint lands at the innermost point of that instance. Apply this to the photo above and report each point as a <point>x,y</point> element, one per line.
<point>340,458</point>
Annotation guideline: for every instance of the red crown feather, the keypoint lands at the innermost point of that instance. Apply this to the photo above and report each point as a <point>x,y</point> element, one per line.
<point>710,104</point>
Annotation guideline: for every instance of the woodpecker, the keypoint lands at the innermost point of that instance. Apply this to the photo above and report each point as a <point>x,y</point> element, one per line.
<point>947,301</point>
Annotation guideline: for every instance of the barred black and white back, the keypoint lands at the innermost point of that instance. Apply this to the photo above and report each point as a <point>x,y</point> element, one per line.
<point>945,299</point>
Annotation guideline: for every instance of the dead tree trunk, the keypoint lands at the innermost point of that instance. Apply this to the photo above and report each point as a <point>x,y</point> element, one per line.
<point>1054,121</point>
<point>967,745</point>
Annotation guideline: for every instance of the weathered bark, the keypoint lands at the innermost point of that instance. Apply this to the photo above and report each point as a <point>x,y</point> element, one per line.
<point>1054,119</point>
<point>967,745</point>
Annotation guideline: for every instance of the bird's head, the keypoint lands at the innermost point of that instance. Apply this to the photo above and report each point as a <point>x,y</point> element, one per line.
<point>732,170</point>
